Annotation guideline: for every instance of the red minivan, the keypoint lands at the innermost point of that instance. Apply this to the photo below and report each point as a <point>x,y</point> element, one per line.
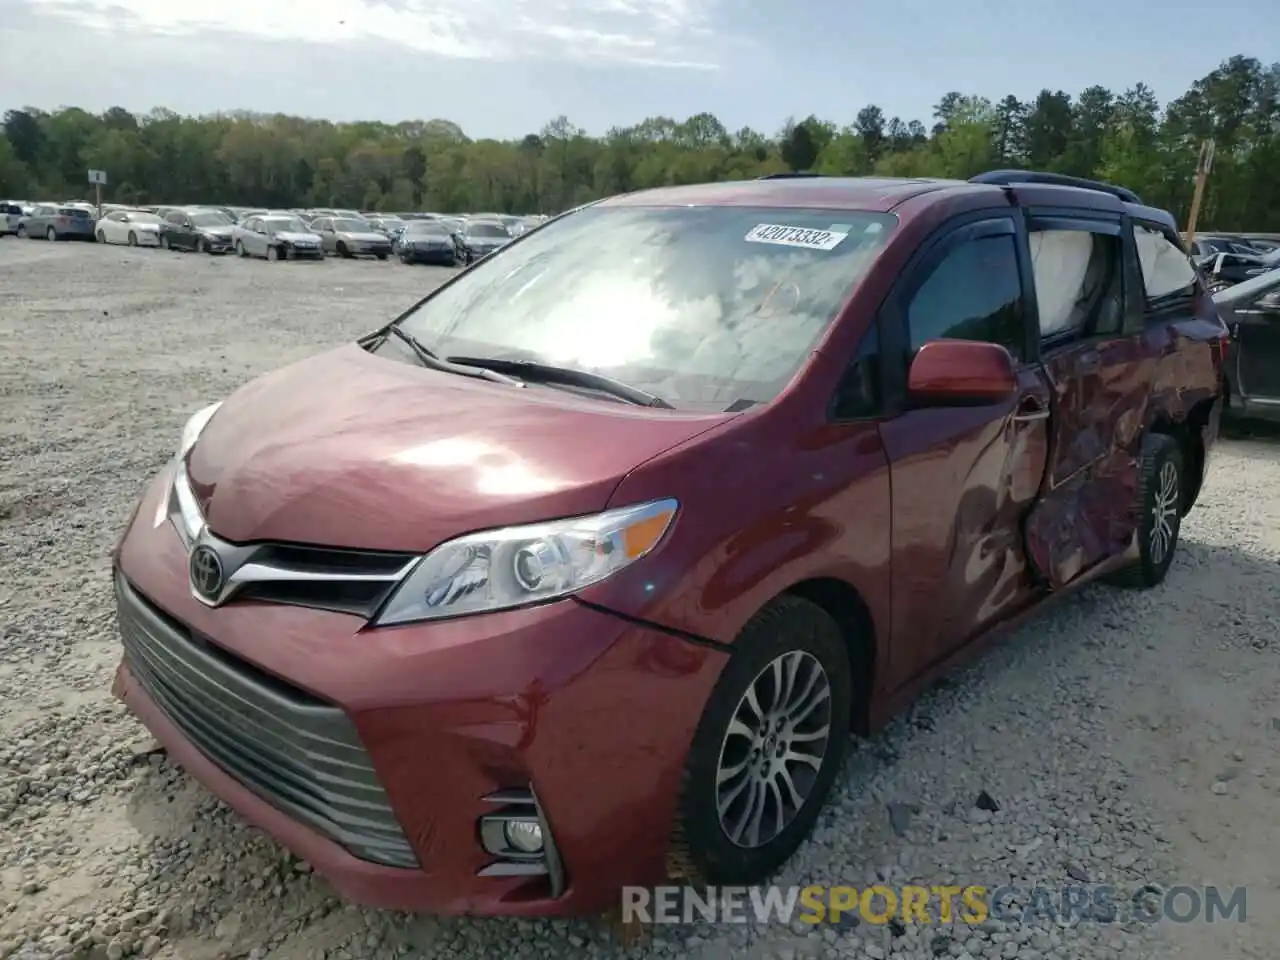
<point>580,573</point>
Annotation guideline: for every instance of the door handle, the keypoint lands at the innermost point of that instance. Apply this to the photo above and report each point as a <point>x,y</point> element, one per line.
<point>1031,411</point>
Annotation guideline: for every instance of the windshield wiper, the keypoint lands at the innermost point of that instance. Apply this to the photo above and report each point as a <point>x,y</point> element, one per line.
<point>431,360</point>
<point>549,373</point>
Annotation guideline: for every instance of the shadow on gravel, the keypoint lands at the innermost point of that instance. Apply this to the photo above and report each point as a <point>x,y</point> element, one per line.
<point>907,796</point>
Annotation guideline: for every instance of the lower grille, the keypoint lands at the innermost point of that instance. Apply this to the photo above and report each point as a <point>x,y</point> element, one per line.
<point>301,755</point>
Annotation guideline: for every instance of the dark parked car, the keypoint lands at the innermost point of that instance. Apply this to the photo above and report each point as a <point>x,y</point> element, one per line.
<point>1226,268</point>
<point>426,241</point>
<point>1251,311</point>
<point>204,231</point>
<point>479,238</point>
<point>591,559</point>
<point>57,222</point>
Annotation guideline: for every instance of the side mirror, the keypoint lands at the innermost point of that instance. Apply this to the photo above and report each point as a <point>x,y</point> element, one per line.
<point>961,371</point>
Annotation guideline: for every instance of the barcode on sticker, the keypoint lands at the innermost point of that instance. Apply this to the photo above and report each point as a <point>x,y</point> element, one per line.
<point>795,236</point>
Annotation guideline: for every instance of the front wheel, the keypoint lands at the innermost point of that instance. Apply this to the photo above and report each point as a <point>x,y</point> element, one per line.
<point>343,251</point>
<point>381,256</point>
<point>767,748</point>
<point>1160,496</point>
<point>51,235</point>
<point>133,239</point>
<point>164,242</point>
<point>200,245</point>
<point>240,252</point>
<point>102,237</point>
<point>273,254</point>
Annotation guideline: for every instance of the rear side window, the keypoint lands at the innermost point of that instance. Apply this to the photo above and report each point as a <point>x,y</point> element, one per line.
<point>975,293</point>
<point>73,212</point>
<point>1078,282</point>
<point>1167,274</point>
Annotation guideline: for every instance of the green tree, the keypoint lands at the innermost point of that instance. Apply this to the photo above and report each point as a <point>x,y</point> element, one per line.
<point>275,160</point>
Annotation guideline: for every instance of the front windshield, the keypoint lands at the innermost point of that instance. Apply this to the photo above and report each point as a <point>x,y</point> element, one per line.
<point>487,230</point>
<point>210,219</point>
<point>286,225</point>
<point>426,226</point>
<point>143,218</point>
<point>351,226</point>
<point>703,306</point>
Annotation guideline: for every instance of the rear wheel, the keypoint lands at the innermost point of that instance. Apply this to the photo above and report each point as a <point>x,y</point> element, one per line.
<point>51,235</point>
<point>133,239</point>
<point>22,230</point>
<point>102,237</point>
<point>273,254</point>
<point>1160,498</point>
<point>164,242</point>
<point>381,256</point>
<point>767,748</point>
<point>240,249</point>
<point>200,245</point>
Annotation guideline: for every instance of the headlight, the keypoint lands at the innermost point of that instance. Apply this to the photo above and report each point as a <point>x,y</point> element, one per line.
<point>514,566</point>
<point>195,426</point>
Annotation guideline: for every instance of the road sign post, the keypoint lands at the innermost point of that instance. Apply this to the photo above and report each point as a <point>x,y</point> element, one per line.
<point>98,178</point>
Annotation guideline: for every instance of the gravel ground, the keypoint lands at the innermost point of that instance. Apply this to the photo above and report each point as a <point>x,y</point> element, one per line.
<point>1124,738</point>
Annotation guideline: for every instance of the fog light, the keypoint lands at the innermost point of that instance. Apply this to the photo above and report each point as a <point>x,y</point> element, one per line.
<point>524,835</point>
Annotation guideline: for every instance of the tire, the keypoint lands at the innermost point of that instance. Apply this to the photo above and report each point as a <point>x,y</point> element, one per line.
<point>164,242</point>
<point>343,251</point>
<point>789,630</point>
<point>273,254</point>
<point>240,249</point>
<point>404,258</point>
<point>133,239</point>
<point>381,256</point>
<point>22,231</point>
<point>200,246</point>
<point>1160,498</point>
<point>102,237</point>
<point>51,235</point>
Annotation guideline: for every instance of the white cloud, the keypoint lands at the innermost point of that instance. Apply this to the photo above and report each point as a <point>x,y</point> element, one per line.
<point>647,32</point>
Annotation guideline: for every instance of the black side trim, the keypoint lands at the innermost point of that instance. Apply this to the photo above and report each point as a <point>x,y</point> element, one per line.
<point>679,634</point>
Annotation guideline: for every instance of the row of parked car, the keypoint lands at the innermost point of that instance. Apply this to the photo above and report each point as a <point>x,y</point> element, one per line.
<point>271,234</point>
<point>1227,259</point>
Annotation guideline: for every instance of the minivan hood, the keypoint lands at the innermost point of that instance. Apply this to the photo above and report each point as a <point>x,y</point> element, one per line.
<point>347,449</point>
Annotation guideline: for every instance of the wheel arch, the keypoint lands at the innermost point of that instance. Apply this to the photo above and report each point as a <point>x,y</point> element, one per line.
<point>842,601</point>
<point>1189,432</point>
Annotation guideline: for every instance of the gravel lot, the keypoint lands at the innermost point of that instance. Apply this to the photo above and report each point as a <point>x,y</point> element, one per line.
<point>1126,738</point>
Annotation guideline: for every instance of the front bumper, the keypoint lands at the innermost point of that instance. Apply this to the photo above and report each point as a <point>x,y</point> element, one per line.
<point>594,713</point>
<point>440,255</point>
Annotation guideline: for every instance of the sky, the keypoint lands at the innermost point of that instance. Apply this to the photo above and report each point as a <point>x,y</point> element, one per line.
<point>503,68</point>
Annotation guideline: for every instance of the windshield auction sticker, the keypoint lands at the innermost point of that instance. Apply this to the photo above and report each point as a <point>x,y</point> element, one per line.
<point>785,236</point>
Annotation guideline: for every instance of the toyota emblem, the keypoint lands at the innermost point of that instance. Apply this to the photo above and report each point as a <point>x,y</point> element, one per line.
<point>206,572</point>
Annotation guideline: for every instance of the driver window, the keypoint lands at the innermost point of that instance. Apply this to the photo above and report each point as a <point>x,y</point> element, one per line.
<point>975,293</point>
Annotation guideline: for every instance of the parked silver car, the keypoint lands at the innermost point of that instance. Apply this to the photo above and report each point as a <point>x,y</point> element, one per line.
<point>276,237</point>
<point>10,214</point>
<point>351,238</point>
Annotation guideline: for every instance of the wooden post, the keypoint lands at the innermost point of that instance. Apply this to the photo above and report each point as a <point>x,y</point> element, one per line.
<point>1203,166</point>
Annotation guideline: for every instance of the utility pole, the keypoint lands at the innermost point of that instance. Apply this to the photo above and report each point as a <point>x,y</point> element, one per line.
<point>1203,166</point>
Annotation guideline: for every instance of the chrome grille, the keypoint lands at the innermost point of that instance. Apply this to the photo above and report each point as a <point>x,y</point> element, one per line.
<point>345,581</point>
<point>300,754</point>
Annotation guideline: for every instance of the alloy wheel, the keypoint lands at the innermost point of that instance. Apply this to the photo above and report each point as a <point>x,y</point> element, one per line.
<point>1164,512</point>
<point>773,750</point>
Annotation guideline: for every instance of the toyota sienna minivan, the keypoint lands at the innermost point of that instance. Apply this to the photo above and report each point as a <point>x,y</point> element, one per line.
<point>580,573</point>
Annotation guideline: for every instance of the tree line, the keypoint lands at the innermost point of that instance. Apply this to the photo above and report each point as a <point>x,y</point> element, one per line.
<point>285,161</point>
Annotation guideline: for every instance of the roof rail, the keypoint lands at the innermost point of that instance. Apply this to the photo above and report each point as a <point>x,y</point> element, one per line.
<point>790,175</point>
<point>1008,178</point>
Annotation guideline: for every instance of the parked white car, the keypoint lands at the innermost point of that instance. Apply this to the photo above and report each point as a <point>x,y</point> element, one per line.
<point>137,228</point>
